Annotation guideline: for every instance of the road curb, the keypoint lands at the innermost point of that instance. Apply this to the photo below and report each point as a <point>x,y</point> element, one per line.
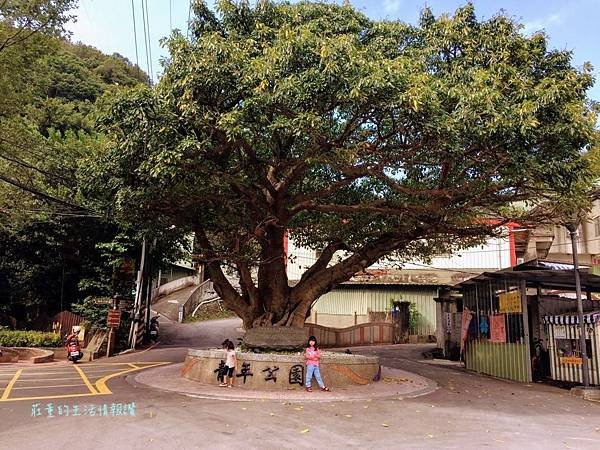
<point>168,379</point>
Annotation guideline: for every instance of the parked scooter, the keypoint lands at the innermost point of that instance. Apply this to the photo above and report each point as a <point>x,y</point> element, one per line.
<point>154,327</point>
<point>74,352</point>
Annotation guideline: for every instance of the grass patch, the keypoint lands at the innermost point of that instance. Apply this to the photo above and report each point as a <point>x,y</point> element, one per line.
<point>211,311</point>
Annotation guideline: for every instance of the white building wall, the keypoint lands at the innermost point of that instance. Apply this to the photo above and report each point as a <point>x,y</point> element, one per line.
<point>299,260</point>
<point>493,255</point>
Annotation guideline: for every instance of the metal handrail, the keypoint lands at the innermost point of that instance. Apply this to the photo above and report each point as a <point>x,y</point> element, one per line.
<point>194,299</point>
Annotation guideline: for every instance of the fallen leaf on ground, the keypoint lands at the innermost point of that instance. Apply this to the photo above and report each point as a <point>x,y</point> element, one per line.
<point>271,414</point>
<point>348,415</point>
<point>304,431</point>
<point>384,425</point>
<point>430,436</point>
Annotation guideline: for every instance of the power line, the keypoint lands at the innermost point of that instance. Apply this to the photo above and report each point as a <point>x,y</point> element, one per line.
<point>189,18</point>
<point>146,43</point>
<point>149,42</point>
<point>56,213</point>
<point>137,59</point>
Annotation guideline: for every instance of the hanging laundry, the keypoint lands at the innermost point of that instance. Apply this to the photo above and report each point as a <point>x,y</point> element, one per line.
<point>464,329</point>
<point>484,327</point>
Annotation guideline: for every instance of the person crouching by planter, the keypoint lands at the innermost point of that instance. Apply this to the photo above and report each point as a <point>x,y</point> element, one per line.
<point>313,354</point>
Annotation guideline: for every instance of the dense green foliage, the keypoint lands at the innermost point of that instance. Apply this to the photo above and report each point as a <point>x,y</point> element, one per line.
<point>94,314</point>
<point>17,338</point>
<point>369,137</point>
<point>54,251</point>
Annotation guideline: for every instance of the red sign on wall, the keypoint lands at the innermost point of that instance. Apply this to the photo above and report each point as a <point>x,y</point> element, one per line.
<point>114,318</point>
<point>497,328</point>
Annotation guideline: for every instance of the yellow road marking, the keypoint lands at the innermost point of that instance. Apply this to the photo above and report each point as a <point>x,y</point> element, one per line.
<point>23,380</point>
<point>34,374</point>
<point>50,386</point>
<point>46,397</point>
<point>105,364</point>
<point>97,388</point>
<point>101,383</point>
<point>85,380</point>
<point>11,383</point>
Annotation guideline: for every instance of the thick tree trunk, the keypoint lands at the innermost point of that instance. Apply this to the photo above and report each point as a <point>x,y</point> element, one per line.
<point>273,287</point>
<point>272,302</point>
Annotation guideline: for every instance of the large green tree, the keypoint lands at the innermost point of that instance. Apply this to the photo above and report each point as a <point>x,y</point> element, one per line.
<point>361,137</point>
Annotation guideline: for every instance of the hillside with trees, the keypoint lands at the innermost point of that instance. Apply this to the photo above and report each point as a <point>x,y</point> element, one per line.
<point>54,249</point>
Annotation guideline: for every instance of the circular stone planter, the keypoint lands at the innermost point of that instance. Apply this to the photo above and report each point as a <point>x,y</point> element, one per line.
<point>34,355</point>
<point>278,371</point>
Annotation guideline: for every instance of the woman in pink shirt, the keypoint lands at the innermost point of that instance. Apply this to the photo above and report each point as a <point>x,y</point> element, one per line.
<point>313,354</point>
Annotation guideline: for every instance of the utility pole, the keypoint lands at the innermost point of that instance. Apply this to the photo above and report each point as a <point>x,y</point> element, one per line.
<point>138,298</point>
<point>585,363</point>
<point>148,291</point>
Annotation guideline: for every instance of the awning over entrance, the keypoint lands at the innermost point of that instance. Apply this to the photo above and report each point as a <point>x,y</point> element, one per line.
<point>573,319</point>
<point>546,274</point>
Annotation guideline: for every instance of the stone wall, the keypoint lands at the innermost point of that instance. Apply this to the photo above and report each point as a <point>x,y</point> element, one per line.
<point>8,356</point>
<point>34,355</point>
<point>273,371</point>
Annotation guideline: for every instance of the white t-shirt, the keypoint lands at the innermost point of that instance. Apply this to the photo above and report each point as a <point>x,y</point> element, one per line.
<point>230,362</point>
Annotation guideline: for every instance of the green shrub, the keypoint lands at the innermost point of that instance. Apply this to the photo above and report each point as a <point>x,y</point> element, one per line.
<point>414,318</point>
<point>21,338</point>
<point>211,311</point>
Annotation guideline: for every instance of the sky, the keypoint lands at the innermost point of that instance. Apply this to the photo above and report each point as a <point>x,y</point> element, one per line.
<point>108,24</point>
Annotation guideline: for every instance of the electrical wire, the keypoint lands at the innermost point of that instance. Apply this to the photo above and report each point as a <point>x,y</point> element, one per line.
<point>149,42</point>
<point>57,213</point>
<point>189,18</point>
<point>137,59</point>
<point>146,43</point>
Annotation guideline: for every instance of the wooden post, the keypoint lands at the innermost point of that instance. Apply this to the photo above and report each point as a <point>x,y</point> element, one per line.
<point>111,331</point>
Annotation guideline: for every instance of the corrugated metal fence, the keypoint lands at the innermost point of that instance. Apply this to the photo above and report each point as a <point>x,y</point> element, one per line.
<point>348,300</point>
<point>507,359</point>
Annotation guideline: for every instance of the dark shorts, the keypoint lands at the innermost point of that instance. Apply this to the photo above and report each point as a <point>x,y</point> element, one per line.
<point>229,371</point>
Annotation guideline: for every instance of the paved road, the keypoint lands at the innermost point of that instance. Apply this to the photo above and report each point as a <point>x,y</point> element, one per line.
<point>467,412</point>
<point>168,305</point>
<point>63,380</point>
